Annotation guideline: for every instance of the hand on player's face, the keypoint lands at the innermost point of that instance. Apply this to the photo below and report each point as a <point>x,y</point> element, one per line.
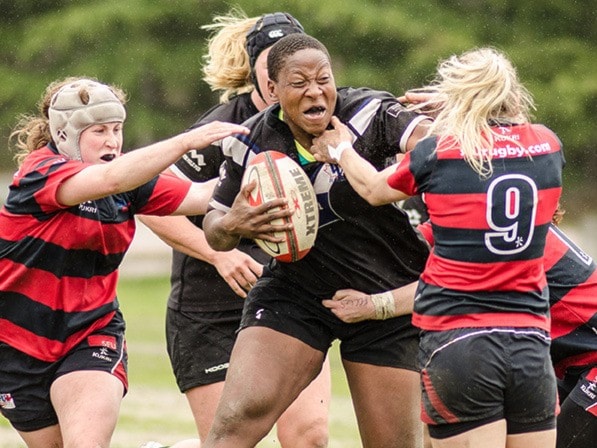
<point>428,101</point>
<point>259,221</point>
<point>337,133</point>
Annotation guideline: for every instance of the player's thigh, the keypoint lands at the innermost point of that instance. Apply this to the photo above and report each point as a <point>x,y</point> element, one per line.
<point>387,403</point>
<point>537,439</point>
<point>203,401</point>
<point>42,438</point>
<point>491,435</point>
<point>87,396</point>
<point>307,417</point>
<point>272,366</point>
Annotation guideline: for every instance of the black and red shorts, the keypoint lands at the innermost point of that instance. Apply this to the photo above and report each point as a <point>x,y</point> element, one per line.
<point>25,381</point>
<point>475,376</point>
<point>580,386</point>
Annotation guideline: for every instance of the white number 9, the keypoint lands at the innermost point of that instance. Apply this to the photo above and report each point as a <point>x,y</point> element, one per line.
<point>511,209</point>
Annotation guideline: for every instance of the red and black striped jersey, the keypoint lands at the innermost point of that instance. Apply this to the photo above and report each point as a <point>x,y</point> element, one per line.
<point>486,267</point>
<point>572,280</point>
<point>59,265</point>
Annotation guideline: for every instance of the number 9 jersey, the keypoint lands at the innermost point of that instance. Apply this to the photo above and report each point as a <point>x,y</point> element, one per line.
<point>489,231</point>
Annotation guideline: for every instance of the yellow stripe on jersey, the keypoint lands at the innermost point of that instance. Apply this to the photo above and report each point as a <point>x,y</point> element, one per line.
<point>305,156</point>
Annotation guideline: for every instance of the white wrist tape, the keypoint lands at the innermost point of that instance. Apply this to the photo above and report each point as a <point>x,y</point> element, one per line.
<point>384,305</point>
<point>336,152</point>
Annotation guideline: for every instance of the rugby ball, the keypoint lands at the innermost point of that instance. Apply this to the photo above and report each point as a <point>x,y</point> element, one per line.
<point>278,176</point>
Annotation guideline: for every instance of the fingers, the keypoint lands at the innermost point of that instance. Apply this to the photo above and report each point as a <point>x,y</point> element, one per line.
<point>223,129</point>
<point>328,303</point>
<point>207,134</point>
<point>348,293</point>
<point>242,283</point>
<point>238,290</point>
<point>270,221</point>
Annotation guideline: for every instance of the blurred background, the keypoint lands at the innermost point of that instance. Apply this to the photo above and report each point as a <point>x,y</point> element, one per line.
<point>153,49</point>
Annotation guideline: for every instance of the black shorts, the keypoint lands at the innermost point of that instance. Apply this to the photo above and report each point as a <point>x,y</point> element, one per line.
<point>25,381</point>
<point>290,310</point>
<point>199,345</point>
<point>471,377</point>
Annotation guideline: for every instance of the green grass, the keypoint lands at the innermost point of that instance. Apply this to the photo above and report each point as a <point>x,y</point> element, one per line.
<point>154,409</point>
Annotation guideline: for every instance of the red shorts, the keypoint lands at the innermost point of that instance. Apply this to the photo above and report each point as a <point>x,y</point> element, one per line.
<point>25,381</point>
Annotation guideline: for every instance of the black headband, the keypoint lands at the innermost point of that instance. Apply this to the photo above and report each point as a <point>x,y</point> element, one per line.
<point>267,31</point>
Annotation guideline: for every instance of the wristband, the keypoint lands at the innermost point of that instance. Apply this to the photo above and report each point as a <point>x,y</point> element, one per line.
<point>384,305</point>
<point>336,152</point>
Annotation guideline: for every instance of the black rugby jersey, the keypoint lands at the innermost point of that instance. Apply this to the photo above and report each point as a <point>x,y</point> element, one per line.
<point>486,266</point>
<point>358,246</point>
<point>196,285</point>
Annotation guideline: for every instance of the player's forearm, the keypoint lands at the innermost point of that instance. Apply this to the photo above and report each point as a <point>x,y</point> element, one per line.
<point>181,234</point>
<point>369,183</point>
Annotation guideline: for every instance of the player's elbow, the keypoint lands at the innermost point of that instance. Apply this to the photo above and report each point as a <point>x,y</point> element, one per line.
<point>374,199</point>
<point>215,235</point>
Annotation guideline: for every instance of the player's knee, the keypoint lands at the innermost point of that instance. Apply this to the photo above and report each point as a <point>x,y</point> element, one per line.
<point>310,434</point>
<point>244,417</point>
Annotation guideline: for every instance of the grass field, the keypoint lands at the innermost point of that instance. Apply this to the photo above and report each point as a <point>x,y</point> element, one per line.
<point>154,409</point>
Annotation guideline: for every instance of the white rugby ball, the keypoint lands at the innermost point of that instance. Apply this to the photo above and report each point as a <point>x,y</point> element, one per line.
<point>278,176</point>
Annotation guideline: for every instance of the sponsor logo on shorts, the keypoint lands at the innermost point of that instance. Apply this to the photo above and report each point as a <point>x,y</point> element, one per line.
<point>103,354</point>
<point>259,313</point>
<point>217,368</point>
<point>6,401</point>
<point>88,207</point>
<point>102,340</point>
<point>589,390</point>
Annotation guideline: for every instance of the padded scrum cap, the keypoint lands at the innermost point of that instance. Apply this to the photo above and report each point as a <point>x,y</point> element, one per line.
<point>69,116</point>
<point>267,31</point>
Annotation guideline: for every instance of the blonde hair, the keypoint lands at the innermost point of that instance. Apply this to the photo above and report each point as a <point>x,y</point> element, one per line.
<point>470,93</point>
<point>32,132</point>
<point>227,62</point>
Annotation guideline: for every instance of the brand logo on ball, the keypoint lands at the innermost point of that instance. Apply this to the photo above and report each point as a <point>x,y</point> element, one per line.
<point>278,176</point>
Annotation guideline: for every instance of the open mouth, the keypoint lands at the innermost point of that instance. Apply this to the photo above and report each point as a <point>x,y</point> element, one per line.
<point>108,157</point>
<point>315,111</point>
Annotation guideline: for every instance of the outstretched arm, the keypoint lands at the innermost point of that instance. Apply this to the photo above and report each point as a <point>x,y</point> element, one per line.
<point>238,269</point>
<point>335,146</point>
<point>137,167</point>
